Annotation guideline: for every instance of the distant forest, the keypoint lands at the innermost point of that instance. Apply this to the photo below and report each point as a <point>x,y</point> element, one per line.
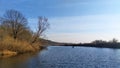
<point>99,43</point>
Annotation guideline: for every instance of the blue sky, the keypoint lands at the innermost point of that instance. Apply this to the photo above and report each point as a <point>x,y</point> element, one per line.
<point>72,20</point>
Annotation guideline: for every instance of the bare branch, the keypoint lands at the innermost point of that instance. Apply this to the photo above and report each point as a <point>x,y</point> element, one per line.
<point>42,26</point>
<point>15,21</point>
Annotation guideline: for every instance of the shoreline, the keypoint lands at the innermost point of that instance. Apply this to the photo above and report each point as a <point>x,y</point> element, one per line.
<point>9,53</point>
<point>100,45</point>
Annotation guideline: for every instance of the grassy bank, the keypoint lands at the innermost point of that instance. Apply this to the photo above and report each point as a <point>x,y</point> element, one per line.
<point>16,37</point>
<point>9,46</point>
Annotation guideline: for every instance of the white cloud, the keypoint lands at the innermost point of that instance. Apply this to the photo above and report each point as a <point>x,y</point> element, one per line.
<point>84,28</point>
<point>81,37</point>
<point>86,23</point>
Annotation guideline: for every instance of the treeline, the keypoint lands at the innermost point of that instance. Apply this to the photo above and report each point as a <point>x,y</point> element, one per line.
<point>17,36</point>
<point>99,43</point>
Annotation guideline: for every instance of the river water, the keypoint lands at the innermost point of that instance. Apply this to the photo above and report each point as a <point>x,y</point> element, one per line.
<point>66,57</point>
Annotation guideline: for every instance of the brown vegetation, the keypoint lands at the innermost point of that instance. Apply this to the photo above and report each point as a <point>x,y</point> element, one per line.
<point>7,53</point>
<point>16,36</point>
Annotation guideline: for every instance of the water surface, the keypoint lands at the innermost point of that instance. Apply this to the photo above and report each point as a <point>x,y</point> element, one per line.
<point>66,57</point>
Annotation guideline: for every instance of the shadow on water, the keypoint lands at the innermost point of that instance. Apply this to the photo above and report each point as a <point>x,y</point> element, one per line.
<point>17,61</point>
<point>28,60</point>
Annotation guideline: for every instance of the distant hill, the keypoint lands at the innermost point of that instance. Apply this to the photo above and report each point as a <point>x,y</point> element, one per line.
<point>49,42</point>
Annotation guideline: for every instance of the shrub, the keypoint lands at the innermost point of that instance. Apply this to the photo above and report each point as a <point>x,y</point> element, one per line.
<point>9,43</point>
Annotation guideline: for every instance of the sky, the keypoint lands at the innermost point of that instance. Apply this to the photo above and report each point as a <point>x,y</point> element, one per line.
<point>71,21</point>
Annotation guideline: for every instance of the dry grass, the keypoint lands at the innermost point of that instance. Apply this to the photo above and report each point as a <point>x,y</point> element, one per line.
<point>9,43</point>
<point>7,53</point>
<point>10,47</point>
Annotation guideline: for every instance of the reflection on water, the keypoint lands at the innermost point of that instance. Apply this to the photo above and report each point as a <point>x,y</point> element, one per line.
<point>66,57</point>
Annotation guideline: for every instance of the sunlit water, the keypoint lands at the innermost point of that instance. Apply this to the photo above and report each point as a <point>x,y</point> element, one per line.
<point>66,57</point>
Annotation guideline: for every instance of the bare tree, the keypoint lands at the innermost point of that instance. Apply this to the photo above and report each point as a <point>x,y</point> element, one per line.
<point>114,40</point>
<point>13,20</point>
<point>42,26</point>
